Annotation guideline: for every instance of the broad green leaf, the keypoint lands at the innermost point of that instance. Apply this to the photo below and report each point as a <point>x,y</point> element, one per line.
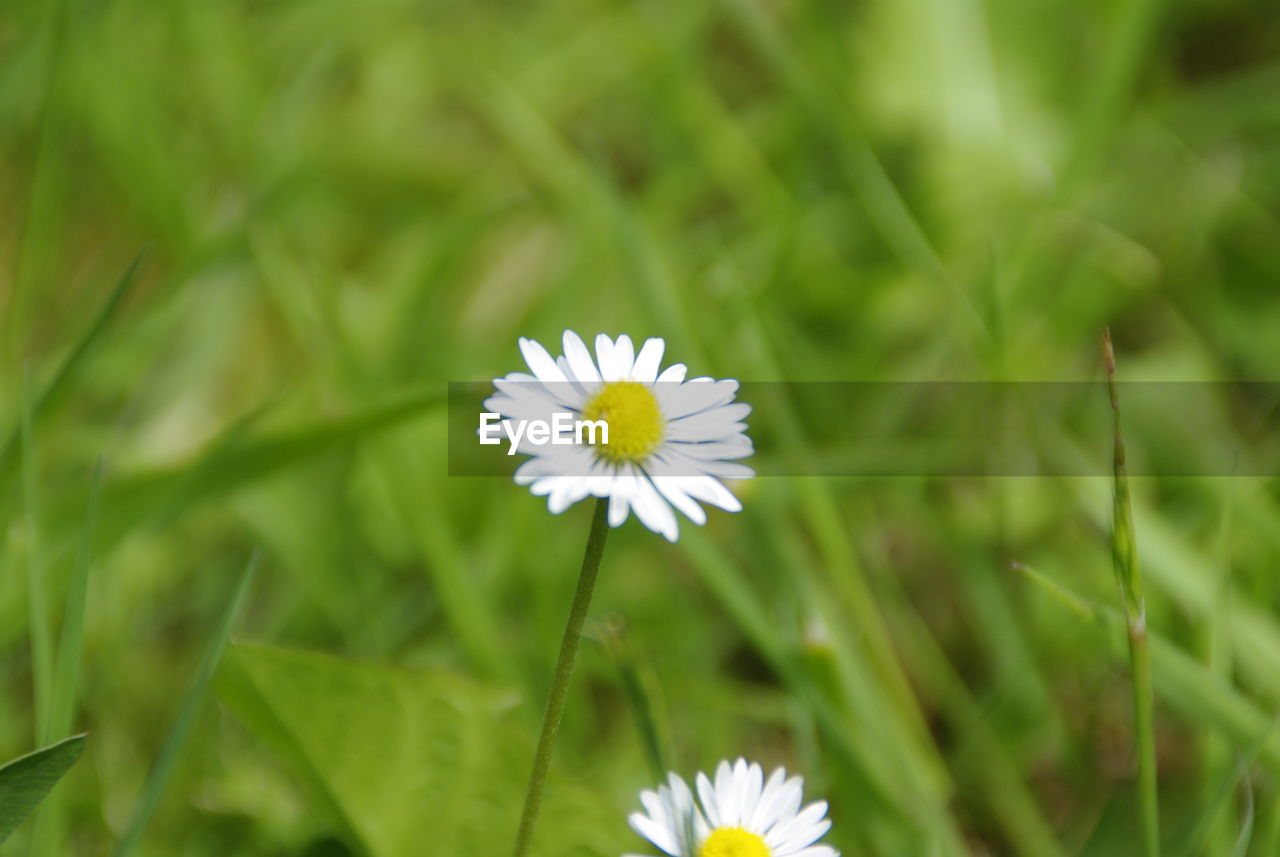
<point>25,781</point>
<point>408,763</point>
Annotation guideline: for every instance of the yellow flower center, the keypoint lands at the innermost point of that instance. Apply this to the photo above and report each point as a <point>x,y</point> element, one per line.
<point>634,418</point>
<point>733,842</point>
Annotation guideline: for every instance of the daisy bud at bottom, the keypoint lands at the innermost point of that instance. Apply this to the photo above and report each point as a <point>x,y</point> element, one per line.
<point>740,814</point>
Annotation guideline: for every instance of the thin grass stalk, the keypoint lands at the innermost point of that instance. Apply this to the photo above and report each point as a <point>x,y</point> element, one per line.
<point>639,698</point>
<point>46,839</point>
<point>61,384</point>
<point>173,744</point>
<point>37,596</point>
<point>1219,657</point>
<point>563,675</point>
<point>71,640</point>
<point>1124,553</point>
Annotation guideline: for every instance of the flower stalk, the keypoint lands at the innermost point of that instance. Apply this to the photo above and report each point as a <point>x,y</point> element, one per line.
<point>563,674</point>
<point>1124,553</point>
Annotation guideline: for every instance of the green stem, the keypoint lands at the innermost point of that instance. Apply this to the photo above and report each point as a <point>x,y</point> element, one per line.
<point>1124,552</point>
<point>563,674</point>
<point>1144,729</point>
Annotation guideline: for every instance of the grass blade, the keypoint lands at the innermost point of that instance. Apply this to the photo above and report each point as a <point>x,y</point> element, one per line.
<point>67,668</point>
<point>25,781</point>
<point>874,762</point>
<point>1195,842</point>
<point>1246,827</point>
<point>66,675</point>
<point>186,716</point>
<point>1219,657</point>
<point>70,368</point>
<point>37,597</point>
<point>637,690</point>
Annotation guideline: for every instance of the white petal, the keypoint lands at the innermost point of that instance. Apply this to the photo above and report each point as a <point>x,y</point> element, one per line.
<point>648,361</point>
<point>619,501</point>
<point>667,819</point>
<point>663,837</point>
<point>584,368</point>
<point>752,786</point>
<point>730,470</point>
<point>570,490</point>
<point>803,837</point>
<point>653,511</point>
<point>604,357</point>
<point>702,487</point>
<point>711,424</point>
<point>522,381</point>
<point>726,804</point>
<point>533,395</point>
<point>765,814</point>
<point>686,808</point>
<point>675,495</point>
<point>792,795</point>
<point>801,829</point>
<point>540,363</point>
<point>734,411</point>
<point>718,450</point>
<point>673,374</point>
<point>562,363</point>
<point>561,393</point>
<point>624,356</point>
<point>671,461</point>
<point>548,461</point>
<point>707,797</point>
<point>709,490</point>
<point>659,810</point>
<point>691,397</point>
<point>517,378</point>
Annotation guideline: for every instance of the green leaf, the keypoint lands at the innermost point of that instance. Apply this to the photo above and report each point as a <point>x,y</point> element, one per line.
<point>407,763</point>
<point>25,781</point>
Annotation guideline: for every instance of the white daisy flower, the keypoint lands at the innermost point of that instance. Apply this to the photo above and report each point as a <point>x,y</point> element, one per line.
<point>670,440</point>
<point>739,815</point>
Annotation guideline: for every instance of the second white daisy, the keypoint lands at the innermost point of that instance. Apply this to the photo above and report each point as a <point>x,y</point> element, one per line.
<point>671,441</point>
<point>740,814</point>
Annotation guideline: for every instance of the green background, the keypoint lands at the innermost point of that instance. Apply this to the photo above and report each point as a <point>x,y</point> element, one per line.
<point>343,206</point>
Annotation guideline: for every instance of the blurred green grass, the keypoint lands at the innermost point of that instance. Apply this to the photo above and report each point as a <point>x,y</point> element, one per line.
<point>345,206</point>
